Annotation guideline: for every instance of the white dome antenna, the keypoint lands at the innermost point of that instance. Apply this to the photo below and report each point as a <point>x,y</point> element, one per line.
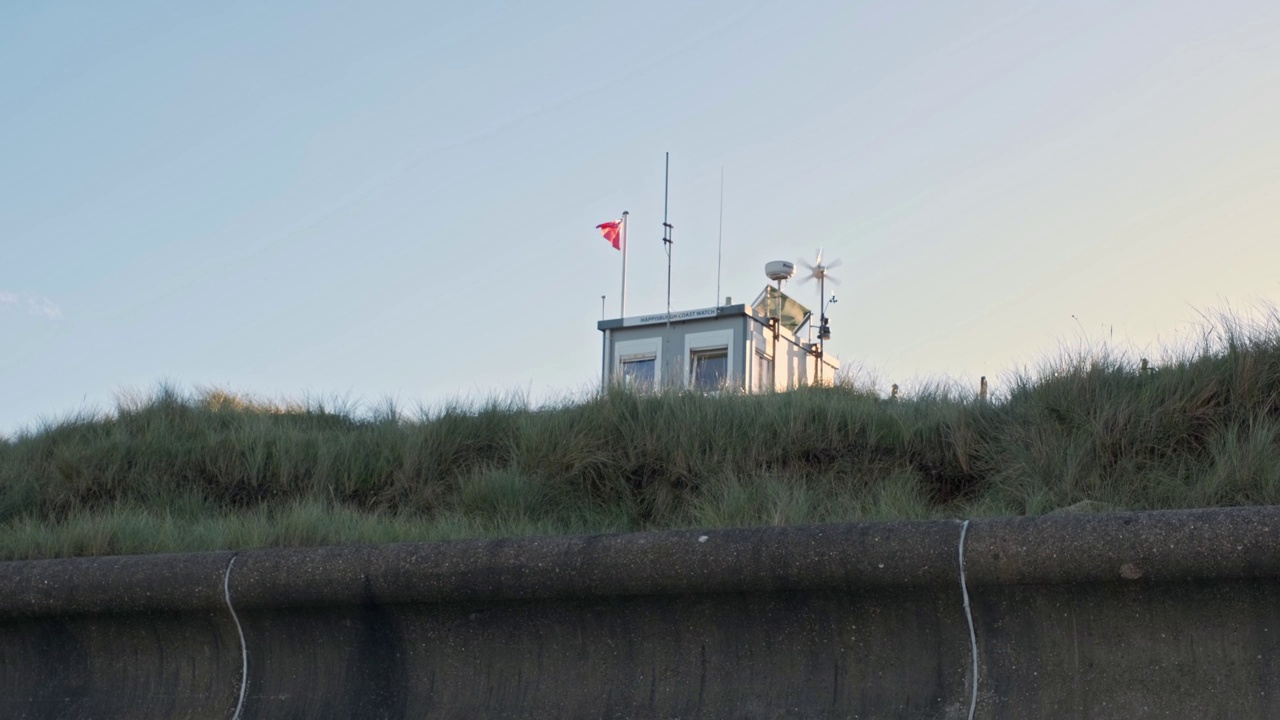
<point>779,270</point>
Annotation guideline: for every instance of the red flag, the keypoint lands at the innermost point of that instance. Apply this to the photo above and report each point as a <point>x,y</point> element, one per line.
<point>612,232</point>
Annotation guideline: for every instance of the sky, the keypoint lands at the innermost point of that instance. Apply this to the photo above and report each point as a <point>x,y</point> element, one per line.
<point>397,200</point>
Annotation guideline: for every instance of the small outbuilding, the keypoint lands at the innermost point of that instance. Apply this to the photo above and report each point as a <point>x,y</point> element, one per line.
<point>762,347</point>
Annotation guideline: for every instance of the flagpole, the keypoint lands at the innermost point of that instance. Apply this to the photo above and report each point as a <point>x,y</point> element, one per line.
<point>623,311</point>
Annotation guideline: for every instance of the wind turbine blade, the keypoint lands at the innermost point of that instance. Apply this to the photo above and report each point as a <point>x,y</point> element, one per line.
<point>835,264</point>
<point>819,260</point>
<point>806,279</point>
<point>833,281</point>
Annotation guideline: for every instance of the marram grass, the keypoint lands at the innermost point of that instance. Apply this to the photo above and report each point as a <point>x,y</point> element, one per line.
<point>177,472</point>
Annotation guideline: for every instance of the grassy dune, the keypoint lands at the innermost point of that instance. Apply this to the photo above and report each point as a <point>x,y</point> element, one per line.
<point>179,472</point>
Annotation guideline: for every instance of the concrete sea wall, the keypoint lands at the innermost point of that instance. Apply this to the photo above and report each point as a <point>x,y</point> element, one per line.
<point>1123,615</point>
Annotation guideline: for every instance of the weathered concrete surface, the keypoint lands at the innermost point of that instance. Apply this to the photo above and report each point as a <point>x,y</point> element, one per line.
<point>1125,615</point>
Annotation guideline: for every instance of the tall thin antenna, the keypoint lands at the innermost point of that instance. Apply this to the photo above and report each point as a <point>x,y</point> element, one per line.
<point>720,239</point>
<point>667,242</point>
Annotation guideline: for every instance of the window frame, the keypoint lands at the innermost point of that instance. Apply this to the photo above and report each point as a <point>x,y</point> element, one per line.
<point>625,351</point>
<point>634,360</point>
<point>708,353</point>
<point>711,340</point>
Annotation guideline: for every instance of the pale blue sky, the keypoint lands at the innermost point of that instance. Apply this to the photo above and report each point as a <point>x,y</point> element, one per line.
<point>397,199</point>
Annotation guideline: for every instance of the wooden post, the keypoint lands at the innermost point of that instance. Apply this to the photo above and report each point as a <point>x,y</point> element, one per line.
<point>893,392</point>
<point>982,389</point>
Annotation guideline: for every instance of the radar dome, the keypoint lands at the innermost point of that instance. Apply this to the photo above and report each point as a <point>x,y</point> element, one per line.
<point>779,270</point>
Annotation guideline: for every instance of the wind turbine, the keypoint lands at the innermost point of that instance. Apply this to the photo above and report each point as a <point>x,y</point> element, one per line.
<point>821,272</point>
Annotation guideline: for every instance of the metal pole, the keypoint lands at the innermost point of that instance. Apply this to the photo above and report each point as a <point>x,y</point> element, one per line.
<point>666,228</point>
<point>623,310</point>
<point>604,352</point>
<point>667,243</point>
<point>774,322</point>
<point>720,239</point>
<point>822,320</point>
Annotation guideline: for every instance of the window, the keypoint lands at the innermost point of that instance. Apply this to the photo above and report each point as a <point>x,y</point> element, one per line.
<point>710,362</point>
<point>639,374</point>
<point>763,373</point>
<point>709,368</point>
<point>638,363</point>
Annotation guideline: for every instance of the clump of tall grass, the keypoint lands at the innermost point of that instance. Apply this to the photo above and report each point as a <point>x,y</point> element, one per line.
<point>175,471</point>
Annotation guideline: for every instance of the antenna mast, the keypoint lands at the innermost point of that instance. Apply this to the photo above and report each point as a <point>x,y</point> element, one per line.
<point>667,242</point>
<point>720,239</point>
